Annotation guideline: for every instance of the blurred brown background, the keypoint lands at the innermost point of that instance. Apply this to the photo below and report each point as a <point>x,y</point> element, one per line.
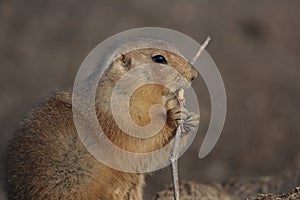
<point>256,45</point>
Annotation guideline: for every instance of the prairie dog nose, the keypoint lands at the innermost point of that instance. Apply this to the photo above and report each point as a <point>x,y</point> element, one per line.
<point>191,73</point>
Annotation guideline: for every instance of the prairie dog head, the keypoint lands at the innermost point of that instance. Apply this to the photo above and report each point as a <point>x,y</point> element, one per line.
<point>147,53</point>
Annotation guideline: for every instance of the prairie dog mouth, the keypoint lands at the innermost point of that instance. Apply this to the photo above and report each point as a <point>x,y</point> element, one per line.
<point>177,93</point>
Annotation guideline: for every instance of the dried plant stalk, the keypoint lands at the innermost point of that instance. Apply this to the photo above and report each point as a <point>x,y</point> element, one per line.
<point>174,155</point>
<point>201,49</point>
<point>179,130</point>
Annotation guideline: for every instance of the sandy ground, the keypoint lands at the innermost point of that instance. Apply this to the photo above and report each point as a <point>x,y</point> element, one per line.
<point>283,186</point>
<point>256,45</point>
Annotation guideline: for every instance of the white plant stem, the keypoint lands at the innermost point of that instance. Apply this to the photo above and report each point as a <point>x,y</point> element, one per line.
<point>201,49</point>
<point>179,130</point>
<point>174,164</point>
<point>175,151</point>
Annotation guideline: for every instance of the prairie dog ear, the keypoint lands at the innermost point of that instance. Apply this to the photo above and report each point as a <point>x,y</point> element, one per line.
<point>122,63</point>
<point>125,60</point>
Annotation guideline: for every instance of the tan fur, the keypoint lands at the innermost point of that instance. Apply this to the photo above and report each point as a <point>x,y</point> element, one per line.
<point>47,160</point>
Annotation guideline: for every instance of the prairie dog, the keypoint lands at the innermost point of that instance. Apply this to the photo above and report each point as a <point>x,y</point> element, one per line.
<point>47,160</point>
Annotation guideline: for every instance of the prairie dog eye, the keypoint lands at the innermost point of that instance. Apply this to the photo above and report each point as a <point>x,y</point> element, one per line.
<point>159,59</point>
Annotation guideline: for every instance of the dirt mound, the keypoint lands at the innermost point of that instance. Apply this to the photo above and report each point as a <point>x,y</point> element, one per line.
<point>260,188</point>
